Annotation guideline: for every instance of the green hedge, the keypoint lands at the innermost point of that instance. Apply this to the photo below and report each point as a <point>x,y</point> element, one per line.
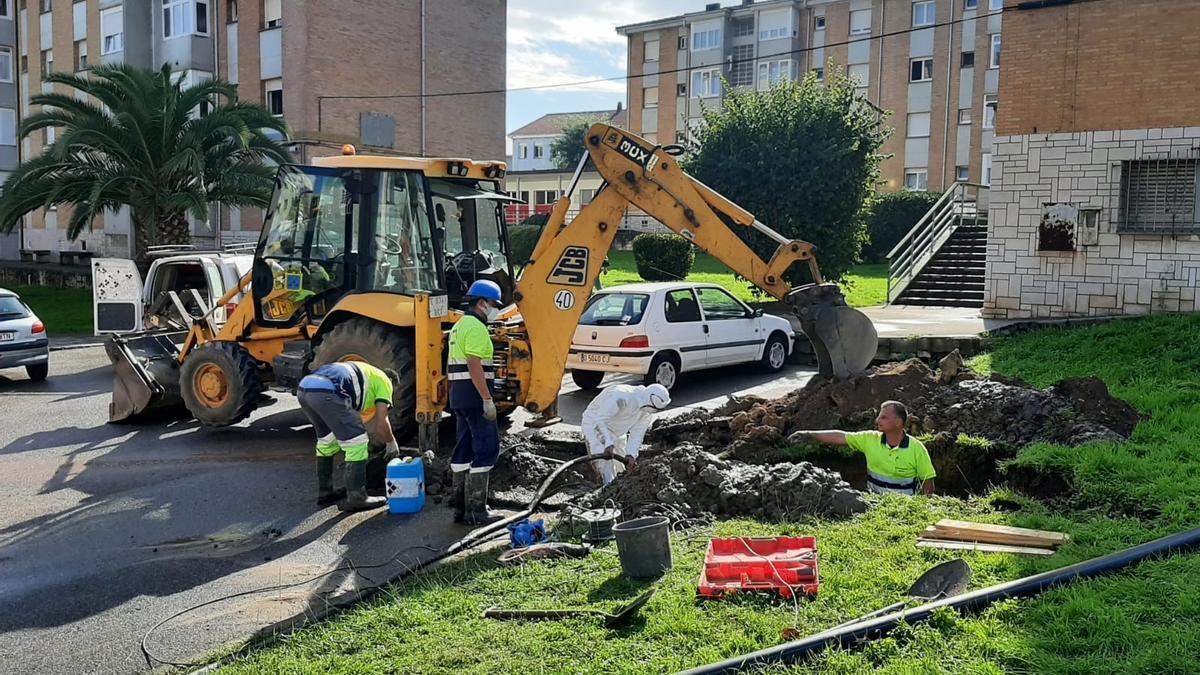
<point>663,257</point>
<point>889,216</point>
<point>522,239</point>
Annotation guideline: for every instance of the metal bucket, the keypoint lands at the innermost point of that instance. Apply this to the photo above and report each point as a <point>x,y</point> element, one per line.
<point>644,546</point>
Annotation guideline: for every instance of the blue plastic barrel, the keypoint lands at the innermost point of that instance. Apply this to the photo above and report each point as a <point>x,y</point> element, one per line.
<point>405,484</point>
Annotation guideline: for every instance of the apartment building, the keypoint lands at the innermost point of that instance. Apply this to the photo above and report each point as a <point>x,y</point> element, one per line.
<point>933,63</point>
<point>1095,204</point>
<point>351,71</point>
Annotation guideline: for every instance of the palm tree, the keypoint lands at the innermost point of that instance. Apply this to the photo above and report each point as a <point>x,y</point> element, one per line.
<point>137,140</point>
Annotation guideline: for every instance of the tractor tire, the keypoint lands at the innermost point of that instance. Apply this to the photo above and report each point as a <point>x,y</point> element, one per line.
<point>220,384</point>
<point>382,346</point>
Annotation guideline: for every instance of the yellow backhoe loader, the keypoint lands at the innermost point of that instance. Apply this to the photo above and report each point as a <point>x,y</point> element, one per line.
<point>369,258</point>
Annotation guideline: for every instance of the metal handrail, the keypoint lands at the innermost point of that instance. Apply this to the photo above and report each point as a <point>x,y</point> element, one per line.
<point>921,243</point>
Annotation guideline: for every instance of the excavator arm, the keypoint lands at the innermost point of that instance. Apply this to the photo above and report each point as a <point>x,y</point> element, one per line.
<point>556,284</point>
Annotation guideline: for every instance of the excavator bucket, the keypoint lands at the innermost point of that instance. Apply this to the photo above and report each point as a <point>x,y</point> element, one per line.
<point>843,338</point>
<point>145,373</point>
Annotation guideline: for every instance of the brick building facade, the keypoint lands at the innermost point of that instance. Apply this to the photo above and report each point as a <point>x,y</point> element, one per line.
<point>1095,204</point>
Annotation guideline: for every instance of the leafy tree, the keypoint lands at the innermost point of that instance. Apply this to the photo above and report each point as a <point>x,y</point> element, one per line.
<point>138,141</point>
<point>801,156</point>
<point>889,216</point>
<point>568,148</point>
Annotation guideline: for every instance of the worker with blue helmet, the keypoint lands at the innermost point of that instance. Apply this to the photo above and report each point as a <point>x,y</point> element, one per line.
<point>470,371</point>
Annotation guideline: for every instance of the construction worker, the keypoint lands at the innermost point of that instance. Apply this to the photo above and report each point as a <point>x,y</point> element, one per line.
<point>469,369</point>
<point>341,399</point>
<point>896,462</point>
<point>615,422</point>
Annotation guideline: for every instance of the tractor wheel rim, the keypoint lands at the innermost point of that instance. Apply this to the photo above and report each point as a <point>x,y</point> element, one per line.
<point>211,385</point>
<point>665,374</point>
<point>777,355</point>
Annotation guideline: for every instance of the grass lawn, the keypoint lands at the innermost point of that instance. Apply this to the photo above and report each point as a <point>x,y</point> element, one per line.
<point>65,311</point>
<point>865,286</point>
<point>1144,620</point>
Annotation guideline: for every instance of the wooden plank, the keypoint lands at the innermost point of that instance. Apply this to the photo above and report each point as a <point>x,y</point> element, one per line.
<point>998,534</point>
<point>983,548</point>
<point>984,537</point>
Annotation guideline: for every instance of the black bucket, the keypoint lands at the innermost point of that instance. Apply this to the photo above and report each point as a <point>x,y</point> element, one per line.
<point>644,546</point>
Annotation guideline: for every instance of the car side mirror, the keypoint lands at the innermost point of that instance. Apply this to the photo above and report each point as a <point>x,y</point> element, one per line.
<point>757,312</point>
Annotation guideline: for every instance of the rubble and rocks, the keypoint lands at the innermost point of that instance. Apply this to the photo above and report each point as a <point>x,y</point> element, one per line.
<point>686,482</point>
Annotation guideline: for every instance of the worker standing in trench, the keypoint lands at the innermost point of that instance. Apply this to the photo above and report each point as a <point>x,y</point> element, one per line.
<point>469,369</point>
<point>896,462</point>
<point>615,422</point>
<point>340,399</point>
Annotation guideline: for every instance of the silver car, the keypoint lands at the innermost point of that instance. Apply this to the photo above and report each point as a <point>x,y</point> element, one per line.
<point>23,339</point>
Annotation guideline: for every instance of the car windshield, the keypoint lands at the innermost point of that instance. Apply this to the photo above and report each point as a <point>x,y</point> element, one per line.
<point>615,309</point>
<point>11,307</point>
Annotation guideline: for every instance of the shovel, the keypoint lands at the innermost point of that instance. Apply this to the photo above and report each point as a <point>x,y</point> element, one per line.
<point>943,581</point>
<point>621,617</point>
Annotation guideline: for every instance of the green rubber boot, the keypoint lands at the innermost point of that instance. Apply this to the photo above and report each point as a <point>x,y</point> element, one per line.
<point>476,494</point>
<point>326,495</point>
<point>356,490</point>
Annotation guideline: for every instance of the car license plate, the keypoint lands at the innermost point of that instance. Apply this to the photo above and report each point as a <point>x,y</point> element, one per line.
<point>595,358</point>
<point>8,337</point>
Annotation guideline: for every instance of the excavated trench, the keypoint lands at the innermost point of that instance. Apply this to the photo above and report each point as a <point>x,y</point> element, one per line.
<point>736,461</point>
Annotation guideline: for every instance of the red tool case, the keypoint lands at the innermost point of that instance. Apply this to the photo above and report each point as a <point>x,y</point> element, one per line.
<point>785,565</point>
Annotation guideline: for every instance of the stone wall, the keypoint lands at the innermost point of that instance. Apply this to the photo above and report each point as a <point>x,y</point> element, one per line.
<point>1109,273</point>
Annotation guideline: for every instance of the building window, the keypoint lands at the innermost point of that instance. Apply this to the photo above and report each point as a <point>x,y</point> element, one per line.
<point>585,196</point>
<point>819,74</point>
<point>538,152</point>
<point>8,126</point>
<point>273,94</point>
<point>680,137</point>
<point>1159,196</point>
<point>649,97</point>
<point>918,125</point>
<point>681,89</point>
<point>819,23</point>
<point>995,4</point>
<point>920,70</point>
<point>775,25</point>
<point>231,11</point>
<point>924,14</point>
<point>201,17</point>
<point>184,17</point>
<point>916,179</point>
<point>995,61</point>
<point>771,73</point>
<point>860,22</point>
<point>682,42</point>
<point>706,83</point>
<point>860,73</point>
<point>523,152</point>
<point>272,13</point>
<point>970,4</point>
<point>741,68</point>
<point>741,27</point>
<point>706,39</point>
<point>968,59</point>
<point>962,174</point>
<point>112,30</point>
<point>545,197</point>
<point>45,5</point>
<point>47,62</point>
<point>990,103</point>
<point>6,9</point>
<point>81,56</point>
<point>987,168</point>
<point>964,115</point>
<point>650,50</point>
<point>6,64</point>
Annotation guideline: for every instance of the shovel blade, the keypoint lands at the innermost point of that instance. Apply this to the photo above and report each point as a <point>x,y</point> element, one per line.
<point>145,374</point>
<point>843,338</point>
<point>942,581</point>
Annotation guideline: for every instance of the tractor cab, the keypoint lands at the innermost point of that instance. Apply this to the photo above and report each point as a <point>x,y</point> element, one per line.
<point>358,224</point>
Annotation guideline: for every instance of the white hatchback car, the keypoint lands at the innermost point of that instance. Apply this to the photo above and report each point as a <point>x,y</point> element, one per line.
<point>659,330</point>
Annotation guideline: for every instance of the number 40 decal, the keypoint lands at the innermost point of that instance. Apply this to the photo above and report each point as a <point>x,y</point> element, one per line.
<point>564,300</point>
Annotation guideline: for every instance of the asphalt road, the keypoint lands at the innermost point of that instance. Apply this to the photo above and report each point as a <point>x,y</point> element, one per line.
<point>105,530</point>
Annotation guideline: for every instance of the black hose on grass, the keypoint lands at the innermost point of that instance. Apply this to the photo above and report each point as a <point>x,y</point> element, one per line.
<point>875,628</point>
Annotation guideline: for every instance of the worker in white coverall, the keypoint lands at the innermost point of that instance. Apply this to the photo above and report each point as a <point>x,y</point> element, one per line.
<point>615,422</point>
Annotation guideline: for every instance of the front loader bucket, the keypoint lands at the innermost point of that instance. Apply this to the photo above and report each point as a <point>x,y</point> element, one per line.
<point>145,373</point>
<point>843,338</point>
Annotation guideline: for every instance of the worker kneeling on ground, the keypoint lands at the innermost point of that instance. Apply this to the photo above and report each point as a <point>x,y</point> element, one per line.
<point>615,422</point>
<point>339,399</point>
<point>469,369</point>
<point>896,462</point>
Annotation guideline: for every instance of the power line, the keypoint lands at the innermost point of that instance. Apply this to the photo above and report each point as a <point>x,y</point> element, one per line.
<point>624,78</point>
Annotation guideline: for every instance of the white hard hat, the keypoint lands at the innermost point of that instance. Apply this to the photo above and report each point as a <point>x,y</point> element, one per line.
<point>658,396</point>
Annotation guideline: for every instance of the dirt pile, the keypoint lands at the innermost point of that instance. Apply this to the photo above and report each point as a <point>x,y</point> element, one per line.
<point>686,482</point>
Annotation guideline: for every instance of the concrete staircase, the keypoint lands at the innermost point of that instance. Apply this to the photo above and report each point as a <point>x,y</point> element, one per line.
<point>940,262</point>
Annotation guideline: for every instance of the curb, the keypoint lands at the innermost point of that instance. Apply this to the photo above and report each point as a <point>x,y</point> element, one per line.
<point>66,347</point>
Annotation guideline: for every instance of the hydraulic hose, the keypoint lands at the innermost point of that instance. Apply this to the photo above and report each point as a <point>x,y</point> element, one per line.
<point>875,628</point>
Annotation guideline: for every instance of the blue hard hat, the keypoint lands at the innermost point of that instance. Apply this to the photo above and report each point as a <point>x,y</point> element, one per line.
<point>486,289</point>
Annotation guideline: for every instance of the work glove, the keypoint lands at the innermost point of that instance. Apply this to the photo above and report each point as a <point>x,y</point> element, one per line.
<point>392,451</point>
<point>489,410</point>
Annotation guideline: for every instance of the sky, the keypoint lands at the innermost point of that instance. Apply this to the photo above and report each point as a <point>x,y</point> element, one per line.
<point>552,41</point>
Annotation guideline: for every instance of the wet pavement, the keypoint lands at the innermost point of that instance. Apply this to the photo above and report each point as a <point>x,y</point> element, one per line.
<point>105,530</point>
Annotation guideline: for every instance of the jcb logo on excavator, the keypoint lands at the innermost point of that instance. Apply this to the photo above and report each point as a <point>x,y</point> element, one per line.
<point>572,267</point>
